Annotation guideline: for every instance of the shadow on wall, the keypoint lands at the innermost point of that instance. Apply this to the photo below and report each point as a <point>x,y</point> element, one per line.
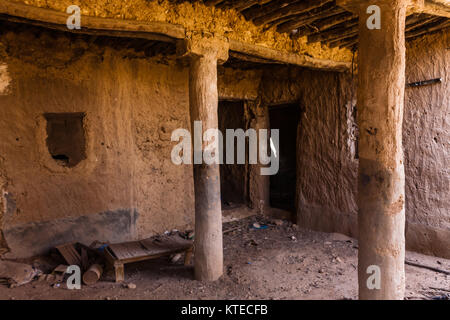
<point>36,238</point>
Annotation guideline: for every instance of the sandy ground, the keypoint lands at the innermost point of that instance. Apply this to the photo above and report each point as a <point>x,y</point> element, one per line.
<point>280,262</point>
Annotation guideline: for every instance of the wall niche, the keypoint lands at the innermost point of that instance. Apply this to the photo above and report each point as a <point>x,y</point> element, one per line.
<point>66,140</point>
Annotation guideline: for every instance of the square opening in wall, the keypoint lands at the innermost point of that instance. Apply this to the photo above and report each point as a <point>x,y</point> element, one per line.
<point>65,138</point>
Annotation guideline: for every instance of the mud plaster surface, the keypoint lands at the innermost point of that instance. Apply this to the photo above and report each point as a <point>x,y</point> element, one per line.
<point>426,139</point>
<point>326,165</point>
<point>197,18</point>
<point>131,107</point>
<point>132,104</point>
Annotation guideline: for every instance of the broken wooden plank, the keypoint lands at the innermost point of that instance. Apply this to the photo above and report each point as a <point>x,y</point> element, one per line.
<point>70,254</point>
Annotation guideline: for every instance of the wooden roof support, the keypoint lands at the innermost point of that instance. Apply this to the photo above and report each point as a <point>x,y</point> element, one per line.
<point>329,8</point>
<point>245,4</point>
<point>421,22</point>
<point>345,42</point>
<point>159,31</point>
<point>324,25</point>
<point>297,21</point>
<point>153,31</point>
<point>211,3</point>
<point>261,10</point>
<point>287,58</point>
<point>416,25</point>
<point>334,21</point>
<point>342,30</point>
<point>433,7</point>
<point>240,5</point>
<point>247,58</point>
<point>429,28</point>
<point>292,9</point>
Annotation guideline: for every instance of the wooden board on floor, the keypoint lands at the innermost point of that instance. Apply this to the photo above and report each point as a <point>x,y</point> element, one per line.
<point>121,253</point>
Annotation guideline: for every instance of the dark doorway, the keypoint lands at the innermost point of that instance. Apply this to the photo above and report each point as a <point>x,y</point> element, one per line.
<point>232,176</point>
<point>283,184</point>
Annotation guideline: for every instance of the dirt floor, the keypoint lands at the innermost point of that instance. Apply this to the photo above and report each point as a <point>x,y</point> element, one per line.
<point>279,262</point>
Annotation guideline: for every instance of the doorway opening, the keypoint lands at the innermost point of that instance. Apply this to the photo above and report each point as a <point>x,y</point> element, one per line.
<point>232,176</point>
<point>283,184</point>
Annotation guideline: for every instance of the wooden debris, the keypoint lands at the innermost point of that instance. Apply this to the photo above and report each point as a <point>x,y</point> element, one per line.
<point>62,268</point>
<point>416,264</point>
<point>84,259</point>
<point>120,254</point>
<point>93,274</point>
<point>70,254</point>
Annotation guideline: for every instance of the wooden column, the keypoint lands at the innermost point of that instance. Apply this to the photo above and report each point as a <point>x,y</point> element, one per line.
<point>204,55</point>
<point>381,178</point>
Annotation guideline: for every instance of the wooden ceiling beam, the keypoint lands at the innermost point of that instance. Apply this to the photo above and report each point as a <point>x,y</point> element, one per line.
<point>211,3</point>
<point>263,9</point>
<point>292,9</point>
<point>308,17</point>
<point>417,24</point>
<point>287,58</point>
<point>52,19</point>
<point>245,4</point>
<point>344,42</point>
<point>433,7</point>
<point>241,5</point>
<point>441,23</point>
<point>335,33</point>
<point>331,22</point>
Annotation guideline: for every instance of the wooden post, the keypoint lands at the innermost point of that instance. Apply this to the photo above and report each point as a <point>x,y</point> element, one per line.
<point>204,55</point>
<point>381,178</point>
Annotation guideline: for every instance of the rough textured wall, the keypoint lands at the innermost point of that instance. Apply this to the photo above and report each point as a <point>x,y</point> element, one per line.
<point>326,150</point>
<point>127,186</point>
<point>164,192</point>
<point>326,165</point>
<point>426,139</point>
